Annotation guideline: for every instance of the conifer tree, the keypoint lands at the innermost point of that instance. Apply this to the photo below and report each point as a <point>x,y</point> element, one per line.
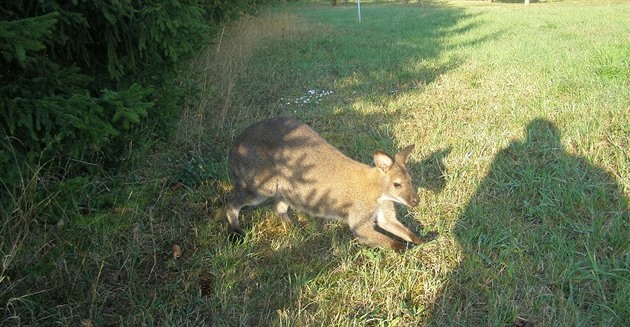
<point>80,78</point>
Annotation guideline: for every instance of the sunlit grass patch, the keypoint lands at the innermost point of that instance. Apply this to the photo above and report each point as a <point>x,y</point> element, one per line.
<point>465,92</point>
<point>521,125</point>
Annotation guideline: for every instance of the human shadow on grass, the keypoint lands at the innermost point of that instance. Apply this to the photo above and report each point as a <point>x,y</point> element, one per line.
<point>268,277</point>
<point>544,242</point>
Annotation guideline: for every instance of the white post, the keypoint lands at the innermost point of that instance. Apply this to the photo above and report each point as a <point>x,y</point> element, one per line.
<point>359,9</point>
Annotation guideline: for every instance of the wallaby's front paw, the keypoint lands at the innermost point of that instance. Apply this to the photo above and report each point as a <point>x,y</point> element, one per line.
<point>399,247</point>
<point>430,236</point>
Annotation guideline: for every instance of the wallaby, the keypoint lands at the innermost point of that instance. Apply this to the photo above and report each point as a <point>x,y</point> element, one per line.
<point>284,159</point>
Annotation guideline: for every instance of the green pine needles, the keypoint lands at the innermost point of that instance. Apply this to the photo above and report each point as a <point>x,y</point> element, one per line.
<point>81,79</point>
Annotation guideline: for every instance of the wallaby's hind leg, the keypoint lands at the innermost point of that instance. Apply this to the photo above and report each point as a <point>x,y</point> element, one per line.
<point>281,208</point>
<point>366,234</point>
<point>240,199</point>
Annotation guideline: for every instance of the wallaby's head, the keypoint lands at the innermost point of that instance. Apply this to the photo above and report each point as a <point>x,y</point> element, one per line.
<point>397,184</point>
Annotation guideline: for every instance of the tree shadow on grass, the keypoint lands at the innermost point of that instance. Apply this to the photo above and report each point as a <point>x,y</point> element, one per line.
<point>545,242</point>
<point>395,49</point>
<point>268,278</point>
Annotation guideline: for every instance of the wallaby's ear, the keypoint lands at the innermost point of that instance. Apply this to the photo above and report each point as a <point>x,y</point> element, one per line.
<point>382,160</point>
<point>401,157</point>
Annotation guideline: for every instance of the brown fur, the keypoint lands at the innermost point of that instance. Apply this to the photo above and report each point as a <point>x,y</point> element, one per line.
<point>284,159</point>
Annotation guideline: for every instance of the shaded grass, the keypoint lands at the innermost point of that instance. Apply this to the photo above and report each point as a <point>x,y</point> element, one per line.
<point>520,117</point>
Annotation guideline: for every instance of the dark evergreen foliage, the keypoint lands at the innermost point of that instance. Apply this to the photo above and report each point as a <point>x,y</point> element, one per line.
<point>80,79</point>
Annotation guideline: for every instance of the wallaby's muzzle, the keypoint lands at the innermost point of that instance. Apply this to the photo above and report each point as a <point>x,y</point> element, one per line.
<point>414,200</point>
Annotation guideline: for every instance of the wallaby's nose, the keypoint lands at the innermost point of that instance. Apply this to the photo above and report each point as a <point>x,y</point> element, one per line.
<point>414,201</point>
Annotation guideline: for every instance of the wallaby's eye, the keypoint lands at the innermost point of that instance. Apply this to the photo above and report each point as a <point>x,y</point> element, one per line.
<point>397,185</point>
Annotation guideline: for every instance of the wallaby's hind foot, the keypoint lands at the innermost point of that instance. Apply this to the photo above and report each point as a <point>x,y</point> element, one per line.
<point>240,199</point>
<point>281,209</point>
<point>236,234</point>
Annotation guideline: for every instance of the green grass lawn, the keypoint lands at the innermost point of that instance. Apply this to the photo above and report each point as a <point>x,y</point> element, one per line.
<point>521,120</point>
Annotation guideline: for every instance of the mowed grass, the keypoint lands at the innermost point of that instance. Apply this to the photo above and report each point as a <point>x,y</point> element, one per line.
<point>521,120</point>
